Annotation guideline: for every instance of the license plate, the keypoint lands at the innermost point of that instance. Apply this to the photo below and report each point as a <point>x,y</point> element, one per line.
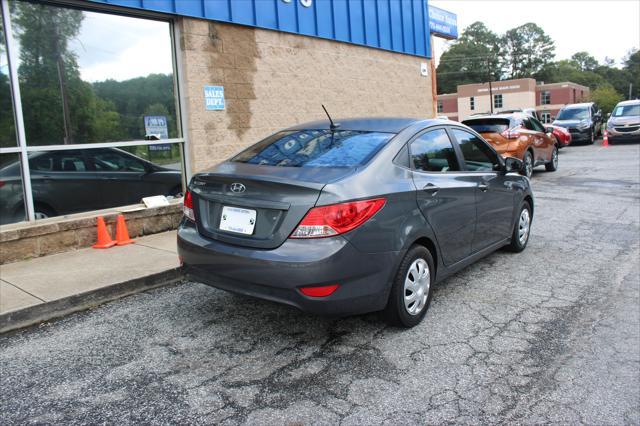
<point>238,220</point>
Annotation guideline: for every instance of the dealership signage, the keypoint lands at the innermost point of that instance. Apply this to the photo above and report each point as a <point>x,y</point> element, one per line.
<point>443,23</point>
<point>214,98</point>
<point>155,127</point>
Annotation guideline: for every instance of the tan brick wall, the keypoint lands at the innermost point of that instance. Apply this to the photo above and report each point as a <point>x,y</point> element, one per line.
<point>274,80</point>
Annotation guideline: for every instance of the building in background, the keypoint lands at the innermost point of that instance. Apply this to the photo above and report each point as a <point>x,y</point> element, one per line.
<point>84,85</point>
<point>525,93</point>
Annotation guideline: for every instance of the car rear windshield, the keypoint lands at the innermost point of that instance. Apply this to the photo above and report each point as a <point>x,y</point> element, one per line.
<point>574,114</point>
<point>315,148</point>
<point>488,125</point>
<point>627,111</point>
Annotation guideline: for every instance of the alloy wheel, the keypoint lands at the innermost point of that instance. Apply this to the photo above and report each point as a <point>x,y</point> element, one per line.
<point>528,165</point>
<point>416,286</point>
<point>554,158</point>
<point>524,224</point>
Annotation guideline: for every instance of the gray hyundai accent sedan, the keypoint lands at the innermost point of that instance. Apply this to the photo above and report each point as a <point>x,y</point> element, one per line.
<point>366,215</point>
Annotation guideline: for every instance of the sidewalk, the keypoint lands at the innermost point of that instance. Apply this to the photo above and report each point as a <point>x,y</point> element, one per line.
<point>40,289</point>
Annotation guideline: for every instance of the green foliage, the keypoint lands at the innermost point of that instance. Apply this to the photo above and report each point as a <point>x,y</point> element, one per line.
<point>632,66</point>
<point>584,61</point>
<point>49,74</point>
<point>526,50</point>
<point>606,97</point>
<point>470,59</point>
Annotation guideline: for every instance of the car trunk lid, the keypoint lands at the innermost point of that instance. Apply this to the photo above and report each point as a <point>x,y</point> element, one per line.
<point>256,205</point>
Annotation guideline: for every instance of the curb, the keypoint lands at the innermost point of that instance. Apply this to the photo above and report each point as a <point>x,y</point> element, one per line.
<point>80,302</point>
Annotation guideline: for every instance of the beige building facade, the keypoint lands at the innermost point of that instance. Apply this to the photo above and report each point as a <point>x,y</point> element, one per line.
<point>273,80</point>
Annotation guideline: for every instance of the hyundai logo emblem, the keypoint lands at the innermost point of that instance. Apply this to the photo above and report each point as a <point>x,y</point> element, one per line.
<point>237,187</point>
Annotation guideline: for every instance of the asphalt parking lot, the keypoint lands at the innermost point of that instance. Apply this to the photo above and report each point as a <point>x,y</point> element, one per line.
<point>548,335</point>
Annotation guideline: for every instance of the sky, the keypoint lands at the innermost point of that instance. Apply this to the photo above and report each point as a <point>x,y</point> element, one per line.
<point>601,27</point>
<point>137,47</point>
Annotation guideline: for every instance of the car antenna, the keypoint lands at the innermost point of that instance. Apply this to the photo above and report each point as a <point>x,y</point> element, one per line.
<point>333,126</point>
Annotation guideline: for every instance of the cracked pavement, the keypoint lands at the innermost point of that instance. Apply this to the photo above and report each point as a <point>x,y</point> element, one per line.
<point>550,335</point>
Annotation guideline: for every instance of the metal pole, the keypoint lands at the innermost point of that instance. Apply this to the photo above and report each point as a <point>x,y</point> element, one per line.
<point>630,90</point>
<point>491,97</point>
<point>17,110</point>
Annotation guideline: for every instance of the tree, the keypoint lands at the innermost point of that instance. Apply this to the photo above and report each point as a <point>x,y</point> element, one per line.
<point>632,66</point>
<point>58,106</point>
<point>473,58</point>
<point>584,61</point>
<point>526,50</point>
<point>606,97</point>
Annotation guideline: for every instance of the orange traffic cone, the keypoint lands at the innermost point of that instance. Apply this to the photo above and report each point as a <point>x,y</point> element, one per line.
<point>122,235</point>
<point>605,139</point>
<point>104,239</point>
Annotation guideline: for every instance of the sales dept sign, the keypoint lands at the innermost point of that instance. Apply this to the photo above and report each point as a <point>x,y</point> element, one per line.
<point>214,98</point>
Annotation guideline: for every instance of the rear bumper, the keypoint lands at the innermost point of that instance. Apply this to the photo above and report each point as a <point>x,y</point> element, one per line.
<point>277,274</point>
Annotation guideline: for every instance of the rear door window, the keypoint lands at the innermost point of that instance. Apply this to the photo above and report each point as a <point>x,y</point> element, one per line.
<point>478,156</point>
<point>433,152</point>
<point>488,125</point>
<point>315,148</point>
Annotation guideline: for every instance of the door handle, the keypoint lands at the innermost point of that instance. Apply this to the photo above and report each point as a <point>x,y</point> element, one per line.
<point>483,187</point>
<point>431,188</point>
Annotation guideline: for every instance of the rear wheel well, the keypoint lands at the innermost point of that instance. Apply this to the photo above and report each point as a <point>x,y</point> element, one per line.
<point>428,244</point>
<point>530,201</point>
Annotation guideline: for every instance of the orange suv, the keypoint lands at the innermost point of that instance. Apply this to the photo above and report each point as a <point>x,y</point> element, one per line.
<point>521,136</point>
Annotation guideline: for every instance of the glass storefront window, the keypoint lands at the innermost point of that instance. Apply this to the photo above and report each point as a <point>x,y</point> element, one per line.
<point>89,77</point>
<point>11,191</point>
<point>7,124</point>
<point>78,180</point>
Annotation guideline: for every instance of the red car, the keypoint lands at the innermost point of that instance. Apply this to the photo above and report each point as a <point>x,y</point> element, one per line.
<point>561,134</point>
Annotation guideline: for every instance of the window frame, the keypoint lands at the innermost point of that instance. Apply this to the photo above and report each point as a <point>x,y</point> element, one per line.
<point>23,149</point>
<point>439,106</point>
<point>545,97</point>
<point>495,99</point>
<point>458,150</point>
<point>472,103</point>
<point>419,135</point>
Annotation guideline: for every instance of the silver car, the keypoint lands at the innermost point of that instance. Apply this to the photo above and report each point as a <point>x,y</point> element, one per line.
<point>624,123</point>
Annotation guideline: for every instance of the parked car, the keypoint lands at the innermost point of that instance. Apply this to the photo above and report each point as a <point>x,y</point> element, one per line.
<point>521,136</point>
<point>583,121</point>
<point>358,218</point>
<point>78,180</point>
<point>562,135</point>
<point>624,122</point>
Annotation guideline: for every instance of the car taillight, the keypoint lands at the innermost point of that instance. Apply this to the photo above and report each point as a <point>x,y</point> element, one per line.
<point>336,219</point>
<point>1,184</point>
<point>187,207</point>
<point>511,133</point>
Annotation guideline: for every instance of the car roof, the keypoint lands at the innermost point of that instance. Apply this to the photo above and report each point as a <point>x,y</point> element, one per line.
<point>507,115</point>
<point>631,102</point>
<point>368,124</point>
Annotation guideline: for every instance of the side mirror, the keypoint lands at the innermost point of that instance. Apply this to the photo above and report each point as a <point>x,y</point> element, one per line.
<point>548,129</point>
<point>512,164</point>
<point>553,118</point>
<point>608,115</point>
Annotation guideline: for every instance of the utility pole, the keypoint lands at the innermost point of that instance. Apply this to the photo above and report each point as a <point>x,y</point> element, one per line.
<point>490,88</point>
<point>62,79</point>
<point>630,90</point>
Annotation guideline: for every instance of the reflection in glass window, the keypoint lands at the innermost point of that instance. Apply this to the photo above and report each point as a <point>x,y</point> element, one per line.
<point>73,181</point>
<point>11,191</point>
<point>315,148</point>
<point>7,124</point>
<point>433,152</point>
<point>478,157</point>
<point>90,77</point>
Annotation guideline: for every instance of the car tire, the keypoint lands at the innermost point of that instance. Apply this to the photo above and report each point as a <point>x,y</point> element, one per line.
<point>522,228</point>
<point>417,267</point>
<point>592,140</point>
<point>527,164</point>
<point>552,165</point>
